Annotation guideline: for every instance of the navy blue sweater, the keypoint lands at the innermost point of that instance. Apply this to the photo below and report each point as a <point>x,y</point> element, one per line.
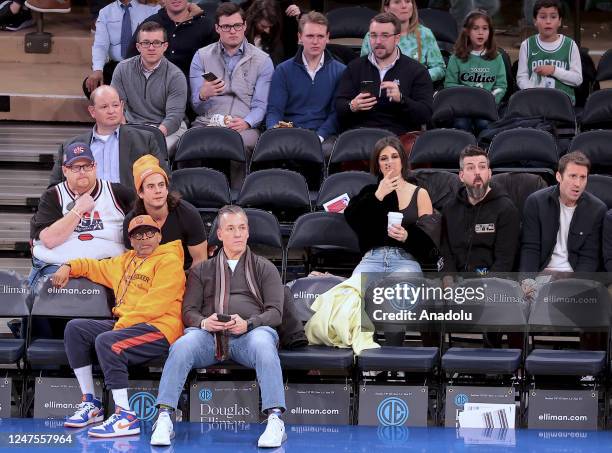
<point>308,104</point>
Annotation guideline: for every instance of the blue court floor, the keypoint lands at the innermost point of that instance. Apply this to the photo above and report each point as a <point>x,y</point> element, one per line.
<point>209,438</point>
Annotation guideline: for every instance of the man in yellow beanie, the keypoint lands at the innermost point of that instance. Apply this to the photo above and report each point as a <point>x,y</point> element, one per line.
<point>148,283</point>
<point>178,219</point>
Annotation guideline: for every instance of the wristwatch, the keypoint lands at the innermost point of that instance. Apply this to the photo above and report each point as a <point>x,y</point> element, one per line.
<point>249,325</point>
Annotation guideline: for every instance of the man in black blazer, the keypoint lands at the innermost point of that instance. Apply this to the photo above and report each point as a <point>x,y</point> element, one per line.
<point>115,145</point>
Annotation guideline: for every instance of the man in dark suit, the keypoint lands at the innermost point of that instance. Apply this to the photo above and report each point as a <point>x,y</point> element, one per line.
<point>115,145</point>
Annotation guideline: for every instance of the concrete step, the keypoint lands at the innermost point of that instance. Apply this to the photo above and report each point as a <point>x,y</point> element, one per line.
<point>15,231</point>
<point>56,96</point>
<point>34,142</point>
<point>20,265</point>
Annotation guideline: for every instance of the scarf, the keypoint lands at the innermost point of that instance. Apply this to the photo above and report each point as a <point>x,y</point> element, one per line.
<point>222,293</point>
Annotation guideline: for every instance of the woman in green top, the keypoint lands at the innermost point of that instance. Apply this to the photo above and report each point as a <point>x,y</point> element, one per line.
<point>476,63</point>
<point>416,41</point>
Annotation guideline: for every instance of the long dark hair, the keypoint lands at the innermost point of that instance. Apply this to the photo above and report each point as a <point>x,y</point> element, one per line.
<point>173,200</point>
<point>396,144</point>
<point>268,10</point>
<point>463,46</point>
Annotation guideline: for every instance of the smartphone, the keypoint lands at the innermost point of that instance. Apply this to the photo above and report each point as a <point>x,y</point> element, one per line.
<point>369,86</point>
<point>223,318</point>
<point>209,76</point>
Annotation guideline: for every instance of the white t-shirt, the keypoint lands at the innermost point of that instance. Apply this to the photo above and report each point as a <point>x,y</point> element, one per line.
<point>232,264</point>
<point>559,259</point>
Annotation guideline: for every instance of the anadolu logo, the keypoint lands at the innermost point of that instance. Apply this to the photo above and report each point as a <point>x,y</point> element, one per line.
<point>143,403</point>
<point>461,399</point>
<point>205,394</point>
<point>392,411</point>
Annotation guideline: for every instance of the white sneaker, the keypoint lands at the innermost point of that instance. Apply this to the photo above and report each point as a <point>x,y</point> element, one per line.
<point>163,431</point>
<point>274,435</point>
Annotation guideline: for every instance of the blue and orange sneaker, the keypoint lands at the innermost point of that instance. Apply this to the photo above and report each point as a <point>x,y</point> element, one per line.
<point>121,423</point>
<point>89,411</point>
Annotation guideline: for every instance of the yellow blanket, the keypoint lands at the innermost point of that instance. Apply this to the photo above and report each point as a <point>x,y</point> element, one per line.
<point>338,318</point>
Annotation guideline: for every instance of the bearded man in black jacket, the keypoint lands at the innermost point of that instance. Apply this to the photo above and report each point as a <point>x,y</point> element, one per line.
<point>480,227</point>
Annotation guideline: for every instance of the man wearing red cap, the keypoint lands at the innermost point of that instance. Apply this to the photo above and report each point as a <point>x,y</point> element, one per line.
<point>148,283</point>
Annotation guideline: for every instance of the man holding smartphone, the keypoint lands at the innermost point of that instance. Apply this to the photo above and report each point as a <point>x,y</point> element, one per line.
<point>237,78</point>
<point>385,89</point>
<point>232,304</point>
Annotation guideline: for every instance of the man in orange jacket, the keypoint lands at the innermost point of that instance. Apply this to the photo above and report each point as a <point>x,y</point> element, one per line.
<point>148,283</point>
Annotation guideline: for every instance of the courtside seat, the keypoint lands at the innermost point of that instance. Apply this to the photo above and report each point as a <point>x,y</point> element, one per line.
<point>481,360</point>
<point>316,358</point>
<point>11,350</point>
<point>47,351</point>
<point>399,358</point>
<point>570,363</point>
<point>12,306</point>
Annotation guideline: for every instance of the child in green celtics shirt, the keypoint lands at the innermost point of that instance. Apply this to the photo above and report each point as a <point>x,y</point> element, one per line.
<point>476,63</point>
<point>549,59</point>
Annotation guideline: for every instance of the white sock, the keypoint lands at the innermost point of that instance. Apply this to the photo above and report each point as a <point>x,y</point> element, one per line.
<point>85,378</point>
<point>121,399</point>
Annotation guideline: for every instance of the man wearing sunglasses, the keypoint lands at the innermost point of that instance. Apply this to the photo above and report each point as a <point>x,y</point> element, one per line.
<point>240,75</point>
<point>148,283</point>
<point>153,89</point>
<point>79,217</point>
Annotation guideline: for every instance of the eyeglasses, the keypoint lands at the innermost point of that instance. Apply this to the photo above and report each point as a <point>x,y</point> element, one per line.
<point>157,44</point>
<point>382,36</point>
<point>228,27</point>
<point>140,235</point>
<point>78,168</point>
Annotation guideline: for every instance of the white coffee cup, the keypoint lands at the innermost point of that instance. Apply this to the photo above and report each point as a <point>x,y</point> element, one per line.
<point>394,218</point>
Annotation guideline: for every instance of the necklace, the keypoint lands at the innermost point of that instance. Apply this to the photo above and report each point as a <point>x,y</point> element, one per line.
<point>127,280</point>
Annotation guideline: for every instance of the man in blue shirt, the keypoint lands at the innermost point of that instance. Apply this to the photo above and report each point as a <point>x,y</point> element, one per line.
<point>305,86</point>
<point>238,96</point>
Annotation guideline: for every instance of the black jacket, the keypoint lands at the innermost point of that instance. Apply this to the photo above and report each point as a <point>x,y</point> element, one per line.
<point>607,241</point>
<point>481,236</point>
<point>541,225</point>
<point>133,143</point>
<point>184,39</point>
<point>410,114</point>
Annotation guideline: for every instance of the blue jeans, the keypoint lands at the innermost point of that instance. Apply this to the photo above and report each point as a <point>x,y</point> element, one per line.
<point>40,269</point>
<point>472,125</point>
<point>196,349</point>
<point>387,260</point>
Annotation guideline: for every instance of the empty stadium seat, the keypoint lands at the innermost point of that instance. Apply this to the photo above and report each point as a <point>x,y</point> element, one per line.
<point>13,304</point>
<point>604,68</point>
<point>501,310</point>
<point>440,148</point>
<point>597,113</point>
<point>442,25</point>
<point>205,188</point>
<point>524,150</point>
<point>353,149</point>
<point>80,298</point>
<point>463,102</point>
<point>547,103</point>
<point>349,182</point>
<point>212,147</point>
<point>596,146</point>
<point>314,357</point>
<point>440,185</point>
<point>159,138</point>
<point>292,149</point>
<point>519,186</point>
<point>349,22</point>
<point>328,238</point>
<point>557,310</point>
<point>601,187</point>
<point>283,192</point>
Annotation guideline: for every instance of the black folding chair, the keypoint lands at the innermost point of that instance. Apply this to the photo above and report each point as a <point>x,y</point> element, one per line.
<point>440,148</point>
<point>353,149</point>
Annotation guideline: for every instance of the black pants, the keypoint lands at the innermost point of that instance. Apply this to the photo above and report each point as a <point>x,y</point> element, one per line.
<point>107,76</point>
<point>115,349</point>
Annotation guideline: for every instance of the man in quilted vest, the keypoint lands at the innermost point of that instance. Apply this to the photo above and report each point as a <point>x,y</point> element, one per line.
<point>230,79</point>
